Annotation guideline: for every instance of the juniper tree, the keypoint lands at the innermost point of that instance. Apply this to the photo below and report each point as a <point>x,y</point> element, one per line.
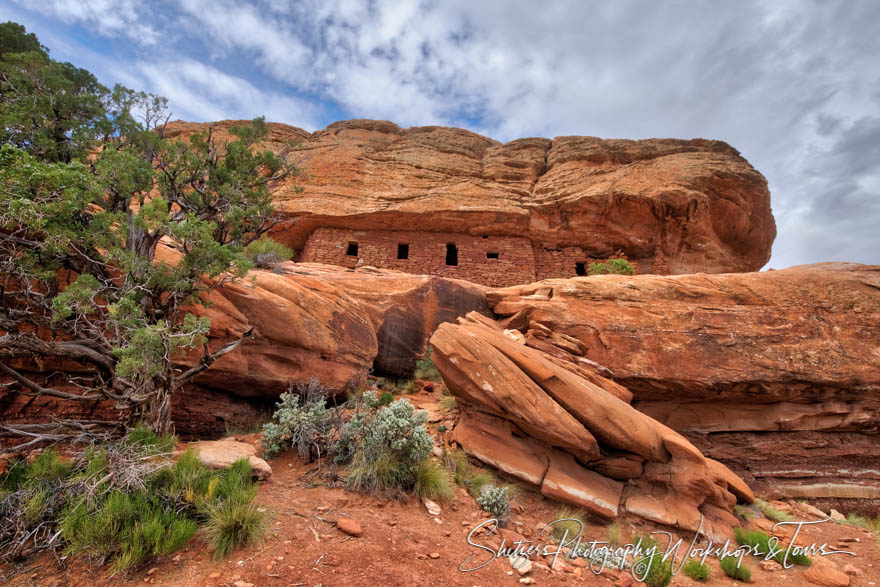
<point>83,214</point>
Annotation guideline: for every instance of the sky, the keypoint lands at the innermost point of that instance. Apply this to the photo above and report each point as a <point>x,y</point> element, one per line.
<point>794,85</point>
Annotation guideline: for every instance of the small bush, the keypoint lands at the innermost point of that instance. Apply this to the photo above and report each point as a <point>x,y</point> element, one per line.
<point>615,533</point>
<point>652,569</point>
<point>385,446</point>
<point>122,503</point>
<point>385,398</point>
<point>447,403</point>
<point>568,523</point>
<point>495,500</point>
<point>232,524</point>
<point>267,253</point>
<point>303,421</point>
<point>441,428</point>
<point>464,475</point>
<point>426,369</point>
<point>771,512</point>
<point>731,567</point>
<point>696,570</point>
<point>611,266</point>
<point>432,482</point>
<point>760,542</point>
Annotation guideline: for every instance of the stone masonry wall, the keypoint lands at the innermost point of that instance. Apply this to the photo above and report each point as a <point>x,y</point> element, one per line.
<point>496,261</point>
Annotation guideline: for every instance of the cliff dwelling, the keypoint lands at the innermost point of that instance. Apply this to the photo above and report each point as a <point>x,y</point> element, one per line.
<point>485,259</point>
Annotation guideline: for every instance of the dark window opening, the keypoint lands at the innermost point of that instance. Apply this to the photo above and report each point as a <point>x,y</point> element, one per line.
<point>352,250</point>
<point>491,255</point>
<point>580,268</point>
<point>402,251</point>
<point>451,254</point>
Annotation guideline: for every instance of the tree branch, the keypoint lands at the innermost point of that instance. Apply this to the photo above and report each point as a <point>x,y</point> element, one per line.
<point>209,359</point>
<point>40,390</point>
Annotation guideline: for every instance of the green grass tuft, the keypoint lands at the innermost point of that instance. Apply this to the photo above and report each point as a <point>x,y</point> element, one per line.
<point>696,570</point>
<point>730,566</point>
<point>614,533</point>
<point>447,403</point>
<point>569,523</point>
<point>232,524</point>
<point>771,512</point>
<point>432,482</point>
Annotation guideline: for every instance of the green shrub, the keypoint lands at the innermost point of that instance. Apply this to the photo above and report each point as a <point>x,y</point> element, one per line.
<point>432,482</point>
<point>760,542</point>
<point>733,569</point>
<point>611,266</point>
<point>441,428</point>
<point>568,523</point>
<point>652,569</point>
<point>385,446</point>
<point>447,403</point>
<point>771,512</point>
<point>696,570</point>
<point>267,253</point>
<point>495,500</point>
<point>426,369</point>
<point>124,503</point>
<point>303,421</point>
<point>385,398</point>
<point>464,475</point>
<point>232,524</point>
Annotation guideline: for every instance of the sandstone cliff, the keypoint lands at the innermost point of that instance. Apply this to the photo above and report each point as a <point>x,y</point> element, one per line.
<point>671,206</point>
<point>776,374</point>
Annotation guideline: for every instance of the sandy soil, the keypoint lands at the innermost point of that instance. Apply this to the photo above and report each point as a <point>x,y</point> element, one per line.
<point>402,544</point>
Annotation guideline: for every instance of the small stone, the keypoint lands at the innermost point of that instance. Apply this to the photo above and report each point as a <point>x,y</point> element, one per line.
<point>214,576</point>
<point>432,507</point>
<point>243,584</point>
<point>434,555</point>
<point>770,566</point>
<point>465,523</point>
<point>837,516</point>
<point>851,570</point>
<point>438,520</point>
<point>153,570</point>
<point>349,526</point>
<point>421,557</point>
<point>323,508</point>
<point>176,559</point>
<point>526,580</point>
<point>521,565</point>
<point>812,510</point>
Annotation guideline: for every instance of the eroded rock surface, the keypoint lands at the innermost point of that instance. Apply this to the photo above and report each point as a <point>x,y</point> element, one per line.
<point>776,373</point>
<point>541,420</point>
<point>670,205</point>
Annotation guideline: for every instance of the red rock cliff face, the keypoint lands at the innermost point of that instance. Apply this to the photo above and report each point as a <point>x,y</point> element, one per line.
<point>776,374</point>
<point>671,206</point>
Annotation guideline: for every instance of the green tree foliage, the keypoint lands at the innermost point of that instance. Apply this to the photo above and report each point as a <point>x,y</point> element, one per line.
<point>89,188</point>
<point>611,266</point>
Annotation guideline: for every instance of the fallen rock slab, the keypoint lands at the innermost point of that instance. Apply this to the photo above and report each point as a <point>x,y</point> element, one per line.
<point>221,454</point>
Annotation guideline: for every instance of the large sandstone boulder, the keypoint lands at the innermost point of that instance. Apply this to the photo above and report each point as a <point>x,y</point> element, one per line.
<point>305,321</point>
<point>776,374</point>
<point>539,419</point>
<point>672,206</point>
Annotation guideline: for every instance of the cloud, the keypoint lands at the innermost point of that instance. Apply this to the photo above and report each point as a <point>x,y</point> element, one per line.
<point>111,18</point>
<point>792,84</point>
<point>203,93</point>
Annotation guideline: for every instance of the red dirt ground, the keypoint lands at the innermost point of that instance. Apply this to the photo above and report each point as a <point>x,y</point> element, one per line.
<point>402,544</point>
